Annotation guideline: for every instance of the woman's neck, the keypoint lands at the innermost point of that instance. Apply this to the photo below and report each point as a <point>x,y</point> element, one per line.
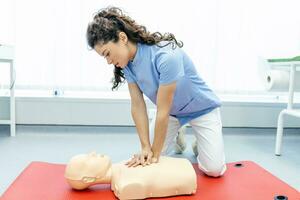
<point>132,50</point>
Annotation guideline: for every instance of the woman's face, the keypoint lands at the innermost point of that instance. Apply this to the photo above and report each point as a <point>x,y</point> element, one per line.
<point>118,53</point>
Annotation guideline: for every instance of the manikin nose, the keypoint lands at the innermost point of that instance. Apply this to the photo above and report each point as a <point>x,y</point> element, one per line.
<point>93,153</point>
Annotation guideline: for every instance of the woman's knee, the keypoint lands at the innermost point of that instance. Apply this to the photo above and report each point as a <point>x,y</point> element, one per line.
<point>168,149</point>
<point>213,170</point>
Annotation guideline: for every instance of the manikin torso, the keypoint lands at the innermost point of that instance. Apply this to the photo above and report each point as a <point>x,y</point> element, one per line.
<point>169,177</point>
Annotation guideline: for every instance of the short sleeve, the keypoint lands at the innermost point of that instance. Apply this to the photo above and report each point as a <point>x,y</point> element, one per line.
<point>170,68</point>
<point>128,76</point>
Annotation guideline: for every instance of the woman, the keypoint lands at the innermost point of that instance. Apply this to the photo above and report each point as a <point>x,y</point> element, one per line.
<point>155,65</point>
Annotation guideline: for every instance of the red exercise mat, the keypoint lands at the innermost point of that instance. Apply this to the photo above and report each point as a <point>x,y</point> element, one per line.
<point>246,182</point>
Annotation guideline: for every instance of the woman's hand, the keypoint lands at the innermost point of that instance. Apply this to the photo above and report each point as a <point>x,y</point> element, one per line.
<point>155,157</point>
<point>143,158</point>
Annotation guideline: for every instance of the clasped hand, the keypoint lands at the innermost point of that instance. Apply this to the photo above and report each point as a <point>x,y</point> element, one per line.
<point>146,157</point>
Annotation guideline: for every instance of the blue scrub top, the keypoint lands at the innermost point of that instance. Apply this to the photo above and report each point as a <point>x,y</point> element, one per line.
<point>153,66</point>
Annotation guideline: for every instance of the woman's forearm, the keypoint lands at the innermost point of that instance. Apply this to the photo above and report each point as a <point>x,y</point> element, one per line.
<point>140,117</point>
<point>161,125</point>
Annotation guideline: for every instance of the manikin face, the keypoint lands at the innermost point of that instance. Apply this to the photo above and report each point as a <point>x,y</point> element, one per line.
<point>118,53</point>
<point>87,167</point>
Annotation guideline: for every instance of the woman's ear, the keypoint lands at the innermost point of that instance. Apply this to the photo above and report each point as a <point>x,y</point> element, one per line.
<point>123,37</point>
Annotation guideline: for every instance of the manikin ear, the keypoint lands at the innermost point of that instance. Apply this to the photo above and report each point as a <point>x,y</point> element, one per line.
<point>88,179</point>
<point>123,37</point>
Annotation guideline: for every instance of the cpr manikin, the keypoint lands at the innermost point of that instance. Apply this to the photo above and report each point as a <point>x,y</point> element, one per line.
<point>169,177</point>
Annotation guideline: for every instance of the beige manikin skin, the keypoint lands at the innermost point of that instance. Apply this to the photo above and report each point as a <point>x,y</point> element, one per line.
<point>169,177</point>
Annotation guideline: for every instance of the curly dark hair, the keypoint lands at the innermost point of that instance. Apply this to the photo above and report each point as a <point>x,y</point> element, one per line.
<point>109,22</point>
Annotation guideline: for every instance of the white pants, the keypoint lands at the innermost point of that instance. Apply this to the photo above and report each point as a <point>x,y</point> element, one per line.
<point>208,132</point>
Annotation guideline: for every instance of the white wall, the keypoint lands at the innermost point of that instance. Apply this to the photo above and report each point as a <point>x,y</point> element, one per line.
<point>242,112</point>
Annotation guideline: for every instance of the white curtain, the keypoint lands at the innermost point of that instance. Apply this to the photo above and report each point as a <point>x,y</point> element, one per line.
<point>224,38</point>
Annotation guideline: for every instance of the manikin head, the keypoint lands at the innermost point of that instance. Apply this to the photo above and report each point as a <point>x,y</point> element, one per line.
<point>84,170</point>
